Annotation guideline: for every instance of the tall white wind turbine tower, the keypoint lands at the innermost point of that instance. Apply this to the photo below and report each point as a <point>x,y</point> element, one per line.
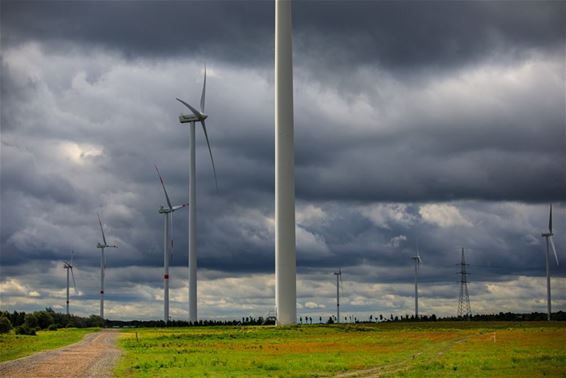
<point>418,262</point>
<point>338,275</point>
<point>102,265</point>
<point>69,267</point>
<point>167,244</point>
<point>191,119</point>
<point>285,249</point>
<point>549,245</point>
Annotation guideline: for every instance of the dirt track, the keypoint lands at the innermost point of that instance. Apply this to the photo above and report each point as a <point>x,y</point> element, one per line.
<point>94,356</point>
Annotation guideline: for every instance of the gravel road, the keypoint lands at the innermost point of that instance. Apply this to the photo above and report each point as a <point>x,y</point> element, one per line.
<point>94,356</point>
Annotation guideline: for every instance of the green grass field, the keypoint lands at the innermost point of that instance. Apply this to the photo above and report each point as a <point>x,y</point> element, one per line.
<point>15,346</point>
<point>393,349</point>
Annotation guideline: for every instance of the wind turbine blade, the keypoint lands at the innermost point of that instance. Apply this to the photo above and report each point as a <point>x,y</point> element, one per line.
<point>101,229</point>
<point>550,220</point>
<point>553,249</point>
<point>210,151</point>
<point>203,95</point>
<point>195,112</point>
<point>179,206</point>
<point>164,190</point>
<point>74,282</point>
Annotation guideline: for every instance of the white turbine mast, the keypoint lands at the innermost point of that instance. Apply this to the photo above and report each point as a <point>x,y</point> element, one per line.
<point>285,248</point>
<point>549,245</point>
<point>191,119</point>
<point>167,244</point>
<point>102,246</point>
<point>418,262</point>
<point>338,275</point>
<point>69,267</point>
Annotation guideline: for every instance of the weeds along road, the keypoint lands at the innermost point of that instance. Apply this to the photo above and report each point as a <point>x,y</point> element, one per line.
<point>94,356</point>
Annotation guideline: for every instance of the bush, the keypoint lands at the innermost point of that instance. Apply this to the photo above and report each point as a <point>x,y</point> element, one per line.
<point>30,321</point>
<point>52,327</point>
<point>5,325</point>
<point>95,321</point>
<point>25,330</point>
<point>44,319</point>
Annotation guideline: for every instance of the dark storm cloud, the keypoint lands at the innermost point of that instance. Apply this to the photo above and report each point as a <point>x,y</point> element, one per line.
<point>235,31</point>
<point>392,34</point>
<point>431,121</point>
<point>409,34</point>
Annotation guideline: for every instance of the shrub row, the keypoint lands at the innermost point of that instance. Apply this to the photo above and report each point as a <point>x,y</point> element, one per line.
<point>28,324</point>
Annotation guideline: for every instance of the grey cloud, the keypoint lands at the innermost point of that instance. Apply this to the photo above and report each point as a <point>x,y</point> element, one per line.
<point>407,34</point>
<point>477,131</point>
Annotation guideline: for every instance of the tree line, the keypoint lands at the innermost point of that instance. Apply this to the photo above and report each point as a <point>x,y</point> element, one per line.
<point>30,323</point>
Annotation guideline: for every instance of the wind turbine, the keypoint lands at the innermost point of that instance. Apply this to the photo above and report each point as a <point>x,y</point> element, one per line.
<point>191,119</point>
<point>338,275</point>
<point>102,265</point>
<point>167,244</point>
<point>69,267</point>
<point>285,247</point>
<point>418,262</point>
<point>549,244</point>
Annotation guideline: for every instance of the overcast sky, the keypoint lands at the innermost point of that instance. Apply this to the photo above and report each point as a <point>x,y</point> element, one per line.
<point>438,124</point>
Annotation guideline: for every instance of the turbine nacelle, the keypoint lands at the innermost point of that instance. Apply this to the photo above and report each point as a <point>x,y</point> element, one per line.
<point>188,118</point>
<point>98,245</point>
<point>164,210</point>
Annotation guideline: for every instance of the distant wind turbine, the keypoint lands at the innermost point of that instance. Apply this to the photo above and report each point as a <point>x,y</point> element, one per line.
<point>102,265</point>
<point>69,267</point>
<point>418,262</point>
<point>191,119</point>
<point>167,244</point>
<point>338,275</point>
<point>549,245</point>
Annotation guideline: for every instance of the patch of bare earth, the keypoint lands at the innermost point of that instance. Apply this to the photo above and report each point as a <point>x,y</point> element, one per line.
<point>94,356</point>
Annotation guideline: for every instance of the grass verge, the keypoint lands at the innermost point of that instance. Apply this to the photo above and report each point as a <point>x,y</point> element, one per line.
<point>14,346</point>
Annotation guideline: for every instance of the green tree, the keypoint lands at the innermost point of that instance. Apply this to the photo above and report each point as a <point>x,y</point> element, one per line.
<point>5,325</point>
<point>30,320</point>
<point>44,319</point>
